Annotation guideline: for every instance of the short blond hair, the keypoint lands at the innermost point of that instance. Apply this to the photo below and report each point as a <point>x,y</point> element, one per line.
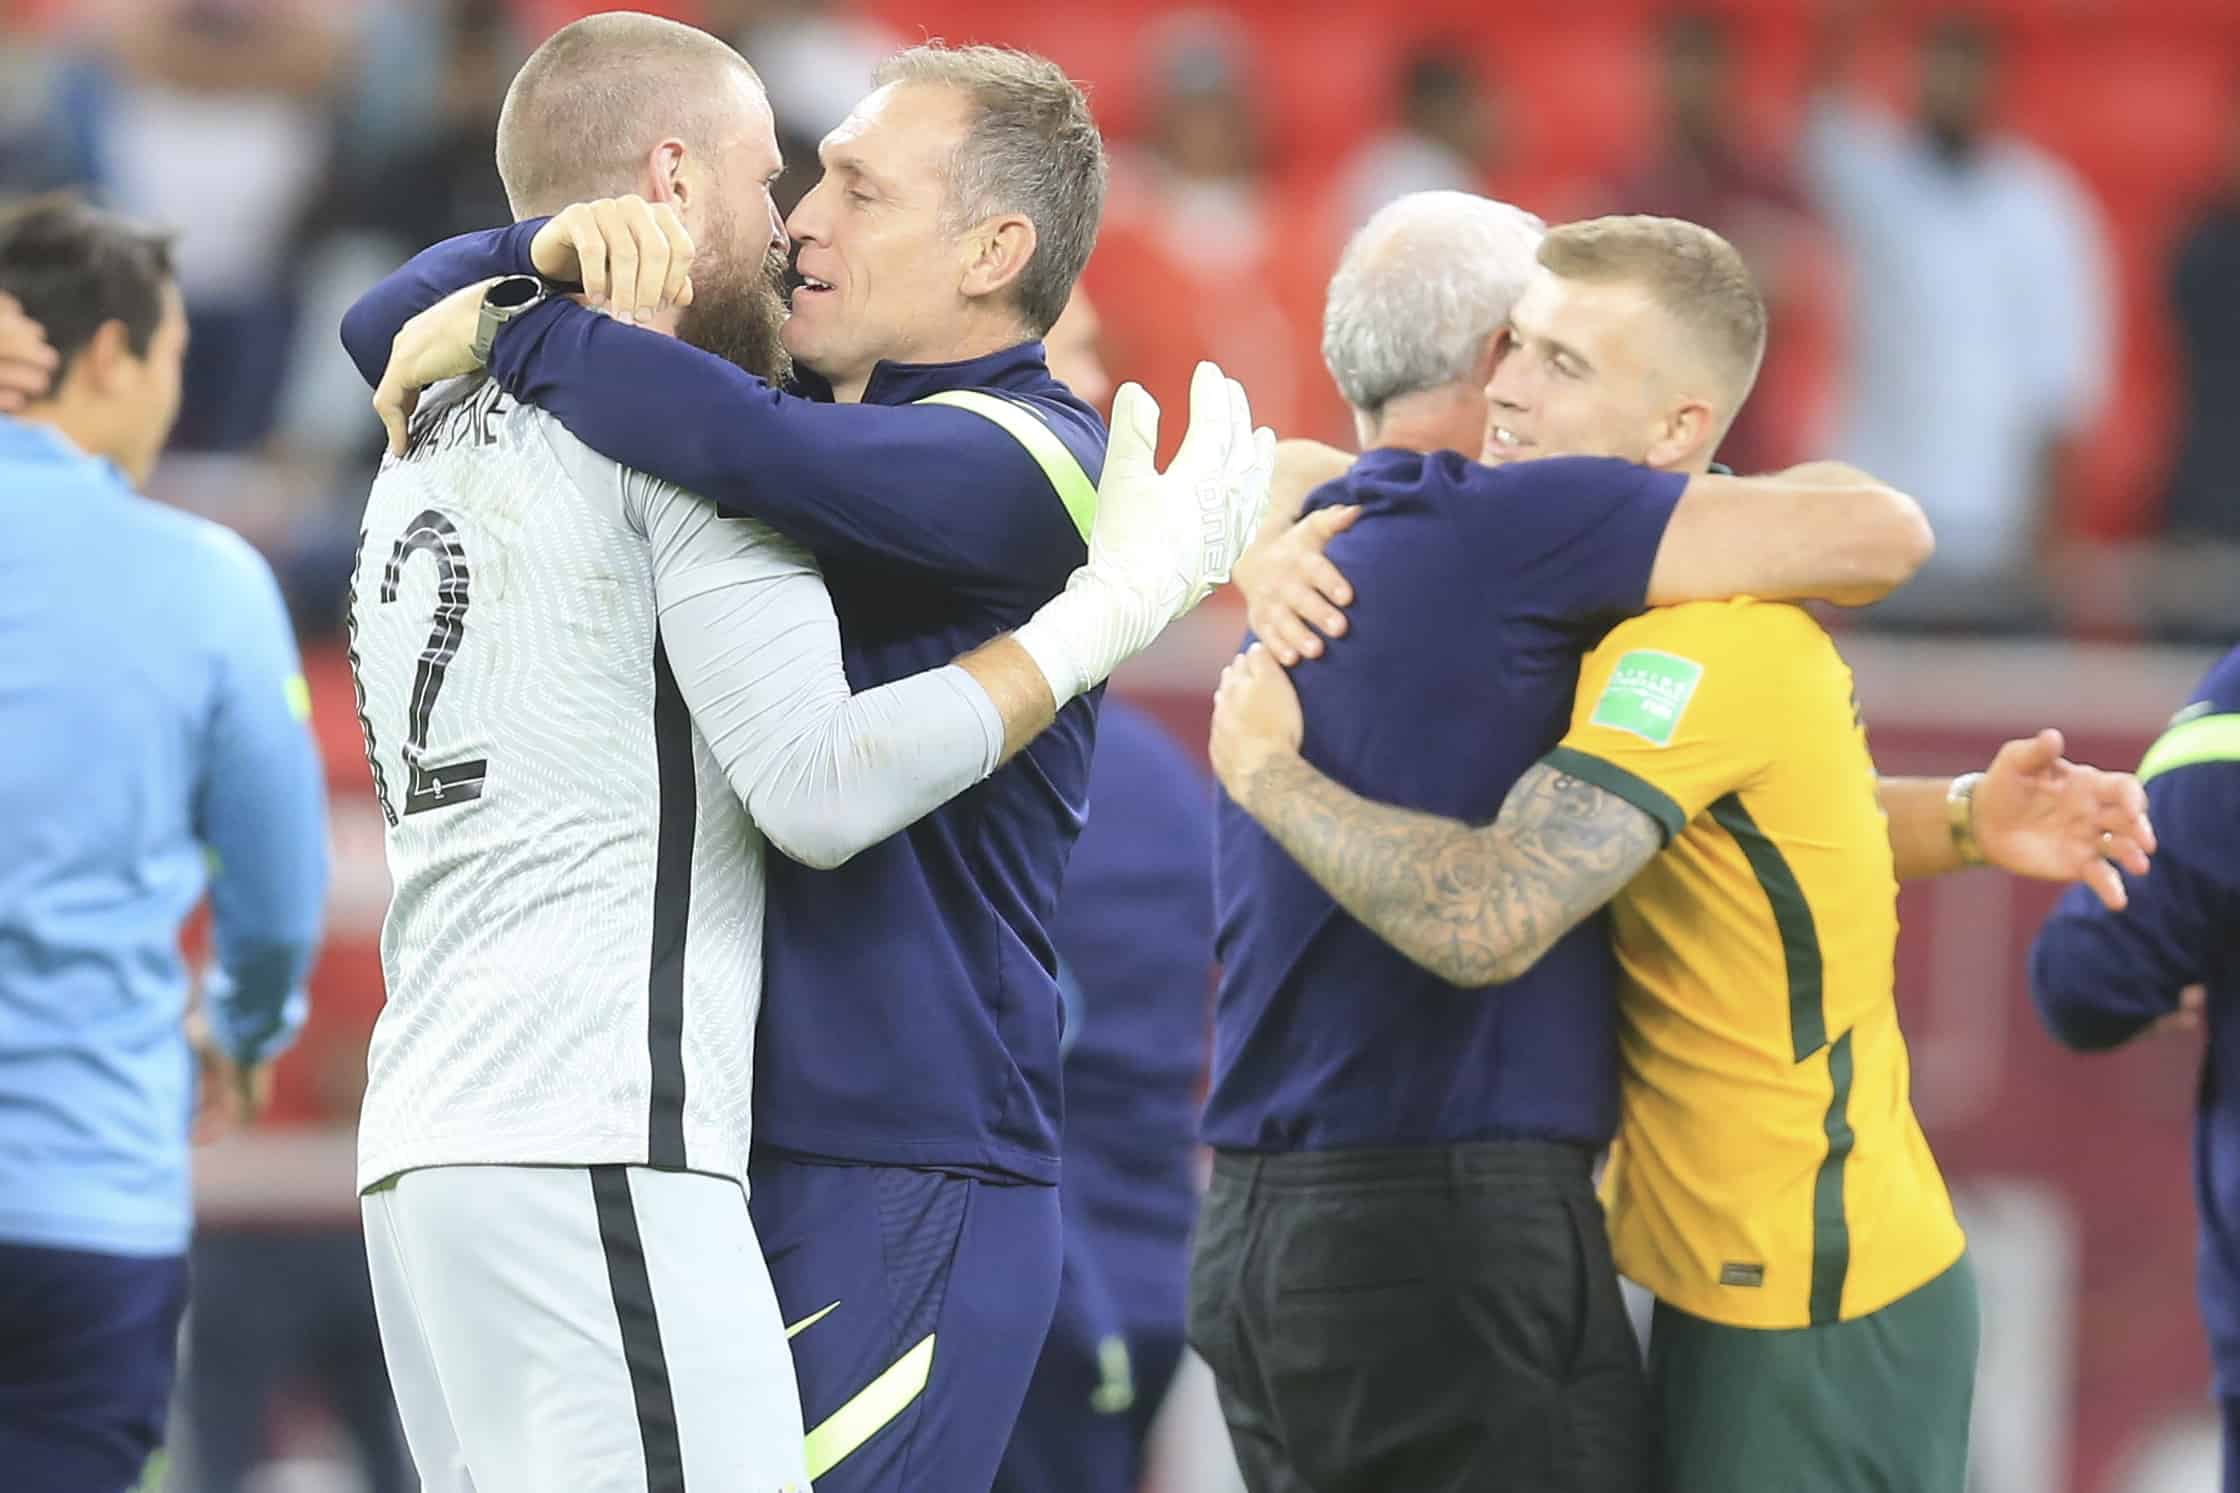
<point>588,105</point>
<point>1695,276</point>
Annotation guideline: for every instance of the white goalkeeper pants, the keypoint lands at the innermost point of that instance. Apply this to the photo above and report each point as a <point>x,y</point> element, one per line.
<point>598,1329</point>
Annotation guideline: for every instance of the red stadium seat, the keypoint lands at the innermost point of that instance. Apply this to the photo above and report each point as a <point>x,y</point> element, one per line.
<point>1584,94</point>
<point>2090,22</point>
<point>1326,86</point>
<point>2127,460</point>
<point>2127,110</point>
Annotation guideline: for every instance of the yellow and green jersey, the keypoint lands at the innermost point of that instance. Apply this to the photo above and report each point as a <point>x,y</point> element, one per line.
<point>1769,1171</point>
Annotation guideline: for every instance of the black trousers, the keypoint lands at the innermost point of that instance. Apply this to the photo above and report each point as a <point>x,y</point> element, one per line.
<point>1417,1321</point>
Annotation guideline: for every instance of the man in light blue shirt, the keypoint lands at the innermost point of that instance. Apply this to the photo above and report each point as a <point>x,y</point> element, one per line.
<point>153,716</point>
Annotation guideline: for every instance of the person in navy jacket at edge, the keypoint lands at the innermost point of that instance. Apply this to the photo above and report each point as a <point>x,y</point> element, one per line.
<point>2101,977</point>
<point>907,1067</point>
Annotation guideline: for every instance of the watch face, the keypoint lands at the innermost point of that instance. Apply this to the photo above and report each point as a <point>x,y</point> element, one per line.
<point>513,293</point>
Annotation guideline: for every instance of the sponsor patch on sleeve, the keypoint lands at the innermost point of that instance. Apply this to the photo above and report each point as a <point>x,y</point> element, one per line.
<point>1647,695</point>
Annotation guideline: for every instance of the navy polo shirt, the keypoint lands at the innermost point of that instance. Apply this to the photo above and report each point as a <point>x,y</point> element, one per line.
<point>1479,589</point>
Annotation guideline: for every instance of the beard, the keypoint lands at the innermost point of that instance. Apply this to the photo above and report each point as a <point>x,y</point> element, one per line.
<point>738,313</point>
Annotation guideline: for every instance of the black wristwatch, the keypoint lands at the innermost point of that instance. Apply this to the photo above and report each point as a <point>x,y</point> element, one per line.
<point>501,303</point>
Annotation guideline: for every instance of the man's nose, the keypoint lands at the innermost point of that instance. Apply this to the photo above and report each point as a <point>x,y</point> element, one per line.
<point>801,228</point>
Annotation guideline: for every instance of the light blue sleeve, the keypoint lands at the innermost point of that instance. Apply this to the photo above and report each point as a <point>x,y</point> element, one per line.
<point>260,808</point>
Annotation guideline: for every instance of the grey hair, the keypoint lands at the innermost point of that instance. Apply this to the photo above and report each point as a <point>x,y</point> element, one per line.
<point>1420,287</point>
<point>1032,148</point>
<point>600,93</point>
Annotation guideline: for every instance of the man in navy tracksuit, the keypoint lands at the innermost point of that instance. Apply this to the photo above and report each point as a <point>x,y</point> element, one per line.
<point>907,1065</point>
<point>1135,929</point>
<point>2100,978</point>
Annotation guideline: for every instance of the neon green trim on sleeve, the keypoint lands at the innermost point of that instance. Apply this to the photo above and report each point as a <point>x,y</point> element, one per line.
<point>2205,738</point>
<point>1073,486</point>
<point>299,697</point>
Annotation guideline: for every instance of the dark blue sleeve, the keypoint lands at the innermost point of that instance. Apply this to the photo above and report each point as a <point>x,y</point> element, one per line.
<point>934,490</point>
<point>1583,530</point>
<point>260,808</point>
<point>373,321</point>
<point>2100,977</point>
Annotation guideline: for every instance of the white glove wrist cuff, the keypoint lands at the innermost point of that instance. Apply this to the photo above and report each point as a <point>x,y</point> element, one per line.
<point>1052,638</point>
<point>1085,632</point>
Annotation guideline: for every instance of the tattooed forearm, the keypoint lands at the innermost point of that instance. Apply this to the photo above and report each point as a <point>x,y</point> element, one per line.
<point>1475,905</point>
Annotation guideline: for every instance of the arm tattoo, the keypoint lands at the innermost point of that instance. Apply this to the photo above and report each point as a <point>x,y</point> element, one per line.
<point>1474,904</point>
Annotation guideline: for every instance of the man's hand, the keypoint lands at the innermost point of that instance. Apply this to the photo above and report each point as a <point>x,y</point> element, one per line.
<point>1256,720</point>
<point>27,360</point>
<point>633,256</point>
<point>232,1096</point>
<point>2188,1018</point>
<point>1292,593</point>
<point>433,346</point>
<point>2040,815</point>
<point>1161,540</point>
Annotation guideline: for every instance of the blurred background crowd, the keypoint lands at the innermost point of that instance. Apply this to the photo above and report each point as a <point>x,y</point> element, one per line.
<point>2002,247</point>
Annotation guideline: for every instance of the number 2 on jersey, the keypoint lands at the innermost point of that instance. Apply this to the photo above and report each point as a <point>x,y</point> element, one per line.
<point>428,786</point>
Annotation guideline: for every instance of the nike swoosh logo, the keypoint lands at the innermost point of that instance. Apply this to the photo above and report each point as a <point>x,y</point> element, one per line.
<point>808,1322</point>
<point>871,1411</point>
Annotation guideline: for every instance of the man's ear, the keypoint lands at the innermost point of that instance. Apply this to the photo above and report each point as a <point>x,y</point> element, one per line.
<point>665,175</point>
<point>107,358</point>
<point>1688,430</point>
<point>996,254</point>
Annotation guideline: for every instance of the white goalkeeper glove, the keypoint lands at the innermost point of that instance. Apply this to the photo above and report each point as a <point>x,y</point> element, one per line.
<point>1161,540</point>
